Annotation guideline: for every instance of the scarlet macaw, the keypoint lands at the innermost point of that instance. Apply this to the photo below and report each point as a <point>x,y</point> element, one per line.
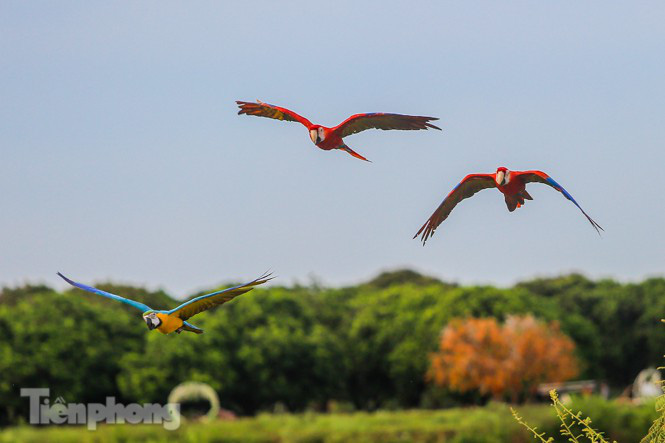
<point>511,183</point>
<point>175,319</point>
<point>331,138</point>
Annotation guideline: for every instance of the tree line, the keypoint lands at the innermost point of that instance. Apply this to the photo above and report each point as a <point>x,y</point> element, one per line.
<point>367,346</point>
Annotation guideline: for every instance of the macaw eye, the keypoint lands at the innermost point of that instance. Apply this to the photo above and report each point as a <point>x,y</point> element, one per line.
<point>322,135</point>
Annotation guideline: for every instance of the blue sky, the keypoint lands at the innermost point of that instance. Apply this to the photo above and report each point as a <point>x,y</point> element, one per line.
<point>123,157</point>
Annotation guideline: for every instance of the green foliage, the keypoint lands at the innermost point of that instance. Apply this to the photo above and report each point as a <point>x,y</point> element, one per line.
<point>305,347</point>
<point>616,327</point>
<point>255,352</point>
<point>401,277</point>
<point>70,345</point>
<point>490,424</point>
<point>620,421</point>
<point>657,430</point>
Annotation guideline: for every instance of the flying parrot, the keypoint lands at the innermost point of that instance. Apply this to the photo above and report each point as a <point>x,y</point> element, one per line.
<point>176,319</point>
<point>511,183</point>
<point>331,138</point>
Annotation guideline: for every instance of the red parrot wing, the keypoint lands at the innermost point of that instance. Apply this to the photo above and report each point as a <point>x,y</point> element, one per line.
<point>471,184</point>
<point>541,177</point>
<point>360,122</point>
<point>261,109</point>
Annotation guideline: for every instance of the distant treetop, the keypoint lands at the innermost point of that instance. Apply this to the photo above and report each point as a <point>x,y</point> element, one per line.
<point>402,276</point>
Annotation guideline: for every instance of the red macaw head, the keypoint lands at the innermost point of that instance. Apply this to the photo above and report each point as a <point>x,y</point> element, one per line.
<point>317,133</point>
<point>502,176</point>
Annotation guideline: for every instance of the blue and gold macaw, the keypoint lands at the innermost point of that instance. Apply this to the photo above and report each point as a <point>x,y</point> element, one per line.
<point>175,319</point>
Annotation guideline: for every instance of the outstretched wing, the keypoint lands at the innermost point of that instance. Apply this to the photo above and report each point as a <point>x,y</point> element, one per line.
<point>133,303</point>
<point>205,302</point>
<point>261,109</point>
<point>471,184</point>
<point>541,177</point>
<point>380,120</point>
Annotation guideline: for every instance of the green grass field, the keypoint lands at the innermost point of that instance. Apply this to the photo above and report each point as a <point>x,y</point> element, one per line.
<point>492,423</point>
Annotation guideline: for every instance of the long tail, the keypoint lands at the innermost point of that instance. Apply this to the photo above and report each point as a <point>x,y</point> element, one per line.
<point>191,328</point>
<point>343,147</point>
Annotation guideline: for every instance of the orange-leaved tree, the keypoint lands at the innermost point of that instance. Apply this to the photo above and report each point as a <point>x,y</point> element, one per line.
<point>508,360</point>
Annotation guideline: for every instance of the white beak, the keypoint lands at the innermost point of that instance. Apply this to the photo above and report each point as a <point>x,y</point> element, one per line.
<point>499,177</point>
<point>313,135</point>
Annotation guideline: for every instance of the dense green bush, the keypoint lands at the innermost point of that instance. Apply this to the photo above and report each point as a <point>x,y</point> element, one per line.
<point>301,347</point>
<point>490,424</point>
